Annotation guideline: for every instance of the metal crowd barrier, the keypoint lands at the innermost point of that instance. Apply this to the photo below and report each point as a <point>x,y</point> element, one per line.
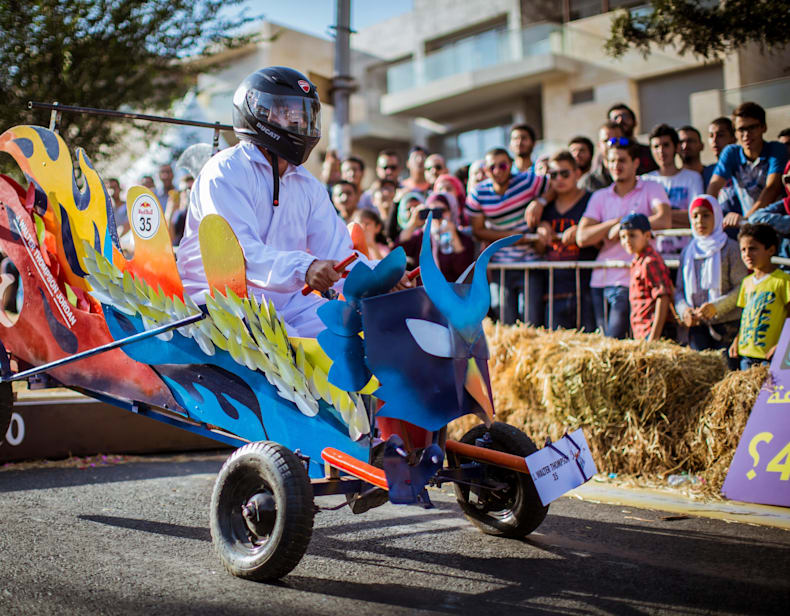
<point>551,266</point>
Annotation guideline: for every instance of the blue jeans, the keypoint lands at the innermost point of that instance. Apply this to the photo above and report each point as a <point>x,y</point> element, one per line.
<point>514,297</point>
<point>564,313</point>
<point>748,362</point>
<point>615,300</point>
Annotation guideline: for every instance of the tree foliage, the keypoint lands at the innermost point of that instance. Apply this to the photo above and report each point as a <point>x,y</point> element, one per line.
<point>112,54</point>
<point>706,28</point>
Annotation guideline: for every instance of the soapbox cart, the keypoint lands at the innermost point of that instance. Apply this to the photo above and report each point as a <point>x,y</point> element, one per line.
<point>361,411</point>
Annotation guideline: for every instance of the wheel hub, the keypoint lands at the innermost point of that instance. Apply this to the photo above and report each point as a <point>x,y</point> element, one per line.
<point>260,513</point>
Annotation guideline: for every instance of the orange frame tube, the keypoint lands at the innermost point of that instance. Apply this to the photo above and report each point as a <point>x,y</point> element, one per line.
<point>357,468</point>
<point>490,456</point>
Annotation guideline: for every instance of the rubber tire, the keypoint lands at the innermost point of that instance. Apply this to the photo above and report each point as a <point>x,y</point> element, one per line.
<point>252,468</point>
<point>6,408</point>
<point>523,511</point>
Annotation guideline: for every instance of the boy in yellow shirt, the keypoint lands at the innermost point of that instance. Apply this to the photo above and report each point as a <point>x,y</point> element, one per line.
<point>764,297</point>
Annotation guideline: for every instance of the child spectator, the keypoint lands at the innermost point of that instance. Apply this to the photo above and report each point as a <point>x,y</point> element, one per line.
<point>372,226</point>
<point>345,198</point>
<point>764,297</point>
<point>651,287</point>
<point>557,229</point>
<point>709,279</point>
<point>778,216</point>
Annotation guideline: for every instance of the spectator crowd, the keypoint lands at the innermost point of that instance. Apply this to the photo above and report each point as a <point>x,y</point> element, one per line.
<point>611,200</point>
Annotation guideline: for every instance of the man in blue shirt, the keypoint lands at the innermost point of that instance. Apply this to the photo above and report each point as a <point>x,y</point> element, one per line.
<point>754,165</point>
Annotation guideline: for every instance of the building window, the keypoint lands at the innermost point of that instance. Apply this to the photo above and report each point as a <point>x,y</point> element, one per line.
<point>462,148</point>
<point>582,96</point>
<point>665,99</point>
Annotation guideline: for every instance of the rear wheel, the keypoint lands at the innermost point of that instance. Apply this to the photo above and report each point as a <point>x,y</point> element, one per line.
<point>262,512</point>
<point>514,511</point>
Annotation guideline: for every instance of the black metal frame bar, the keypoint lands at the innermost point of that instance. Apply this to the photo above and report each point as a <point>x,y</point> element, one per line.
<point>57,109</point>
<point>101,349</point>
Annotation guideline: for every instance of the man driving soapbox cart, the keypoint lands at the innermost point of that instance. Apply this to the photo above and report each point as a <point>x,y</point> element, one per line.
<point>301,410</point>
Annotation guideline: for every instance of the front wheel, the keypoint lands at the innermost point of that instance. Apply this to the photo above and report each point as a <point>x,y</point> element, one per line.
<point>514,511</point>
<point>262,512</point>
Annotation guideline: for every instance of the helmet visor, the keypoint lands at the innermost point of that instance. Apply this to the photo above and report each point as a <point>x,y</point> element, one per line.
<point>296,114</point>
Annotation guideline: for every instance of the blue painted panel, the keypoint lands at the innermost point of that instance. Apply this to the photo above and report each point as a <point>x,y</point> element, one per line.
<point>220,392</point>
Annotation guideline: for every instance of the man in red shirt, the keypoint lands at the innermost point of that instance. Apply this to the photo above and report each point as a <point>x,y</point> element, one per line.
<point>650,291</point>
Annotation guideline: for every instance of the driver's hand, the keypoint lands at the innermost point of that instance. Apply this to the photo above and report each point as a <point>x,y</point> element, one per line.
<point>403,283</point>
<point>321,275</point>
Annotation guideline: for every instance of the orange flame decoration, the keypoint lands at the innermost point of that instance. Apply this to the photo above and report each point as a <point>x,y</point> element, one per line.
<point>75,216</point>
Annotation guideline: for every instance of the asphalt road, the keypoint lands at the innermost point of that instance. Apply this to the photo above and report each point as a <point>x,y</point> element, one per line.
<point>134,539</point>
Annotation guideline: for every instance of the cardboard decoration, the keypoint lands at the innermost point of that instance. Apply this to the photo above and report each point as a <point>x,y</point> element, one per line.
<point>71,214</point>
<point>51,327</point>
<point>760,469</point>
<point>154,260</point>
<point>223,258</point>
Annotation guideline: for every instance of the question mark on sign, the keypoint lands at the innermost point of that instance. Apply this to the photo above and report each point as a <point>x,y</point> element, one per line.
<point>763,437</point>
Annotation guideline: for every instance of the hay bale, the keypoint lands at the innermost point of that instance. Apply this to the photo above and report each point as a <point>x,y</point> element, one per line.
<point>645,408</point>
<point>708,447</point>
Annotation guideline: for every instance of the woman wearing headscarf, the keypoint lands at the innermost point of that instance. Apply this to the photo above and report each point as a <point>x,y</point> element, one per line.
<point>453,251</point>
<point>708,280</point>
<point>400,215</point>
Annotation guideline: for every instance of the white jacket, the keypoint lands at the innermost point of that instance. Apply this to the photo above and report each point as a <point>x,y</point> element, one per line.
<point>279,243</point>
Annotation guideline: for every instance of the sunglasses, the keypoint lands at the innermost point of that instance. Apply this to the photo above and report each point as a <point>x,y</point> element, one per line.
<point>619,141</point>
<point>389,167</point>
<point>437,212</point>
<point>500,166</point>
<point>563,173</point>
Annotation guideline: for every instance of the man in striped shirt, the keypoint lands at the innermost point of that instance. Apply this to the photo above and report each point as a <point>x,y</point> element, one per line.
<point>496,209</point>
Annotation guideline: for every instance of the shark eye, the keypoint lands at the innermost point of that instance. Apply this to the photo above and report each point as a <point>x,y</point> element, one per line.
<point>433,338</point>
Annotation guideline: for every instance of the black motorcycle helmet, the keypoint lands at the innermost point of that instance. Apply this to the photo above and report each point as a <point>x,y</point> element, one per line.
<point>278,109</point>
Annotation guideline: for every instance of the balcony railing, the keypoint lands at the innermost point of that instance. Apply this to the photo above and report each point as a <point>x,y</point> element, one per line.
<point>476,52</point>
<point>772,93</point>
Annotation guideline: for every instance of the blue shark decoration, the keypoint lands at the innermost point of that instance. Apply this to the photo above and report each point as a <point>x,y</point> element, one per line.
<point>340,340</point>
<point>424,345</point>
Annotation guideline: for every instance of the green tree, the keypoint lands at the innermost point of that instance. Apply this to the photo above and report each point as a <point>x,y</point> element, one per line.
<point>112,54</point>
<point>705,28</point>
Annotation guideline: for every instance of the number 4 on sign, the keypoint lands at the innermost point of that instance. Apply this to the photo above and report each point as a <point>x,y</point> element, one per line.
<point>777,466</point>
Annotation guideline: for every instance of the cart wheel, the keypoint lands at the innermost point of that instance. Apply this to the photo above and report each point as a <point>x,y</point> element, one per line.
<point>515,511</point>
<point>6,408</point>
<point>261,512</point>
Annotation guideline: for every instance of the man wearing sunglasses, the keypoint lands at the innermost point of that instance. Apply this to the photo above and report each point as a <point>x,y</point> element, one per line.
<point>754,165</point>
<point>497,208</point>
<point>434,167</point>
<point>387,168</point>
<point>598,177</point>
